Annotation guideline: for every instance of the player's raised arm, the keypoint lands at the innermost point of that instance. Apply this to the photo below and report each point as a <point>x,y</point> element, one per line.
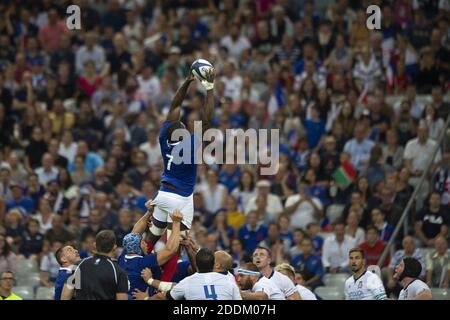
<point>175,107</point>
<point>174,240</point>
<point>208,84</point>
<point>142,224</point>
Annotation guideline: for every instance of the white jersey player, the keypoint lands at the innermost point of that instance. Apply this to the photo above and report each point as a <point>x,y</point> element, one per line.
<point>205,286</point>
<point>262,260</point>
<point>363,284</point>
<point>407,272</point>
<point>256,286</point>
<point>289,271</point>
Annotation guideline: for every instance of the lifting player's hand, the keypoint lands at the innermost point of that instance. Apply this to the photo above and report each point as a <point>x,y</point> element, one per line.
<point>146,274</point>
<point>176,216</point>
<point>140,295</point>
<point>190,76</point>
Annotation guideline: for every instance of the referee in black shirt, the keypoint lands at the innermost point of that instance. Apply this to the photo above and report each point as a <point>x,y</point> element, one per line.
<point>98,277</point>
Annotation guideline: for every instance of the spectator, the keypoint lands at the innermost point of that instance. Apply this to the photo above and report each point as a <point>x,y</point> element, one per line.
<point>50,34</point>
<point>438,264</point>
<point>32,240</point>
<point>335,250</point>
<point>91,159</point>
<point>384,229</point>
<point>235,218</point>
<point>296,248</point>
<point>125,226</point>
<point>373,247</point>
<point>352,228</point>
<point>90,51</point>
<point>359,148</point>
<point>253,232</point>
<point>213,192</point>
<point>234,42</point>
<point>44,215</point>
<point>14,227</point>
<point>19,200</point>
<point>49,267</point>
<point>58,232</point>
<point>392,151</point>
<point>313,229</point>
<point>8,259</point>
<point>432,221</point>
<point>309,265</point>
<point>152,148</point>
<point>94,225</point>
<point>245,190</point>
<point>303,209</point>
<point>47,171</point>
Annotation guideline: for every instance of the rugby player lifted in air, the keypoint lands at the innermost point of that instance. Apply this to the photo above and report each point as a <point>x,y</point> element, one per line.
<point>179,176</point>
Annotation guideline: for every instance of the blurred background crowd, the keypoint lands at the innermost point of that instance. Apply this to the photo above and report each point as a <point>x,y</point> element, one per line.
<point>359,112</point>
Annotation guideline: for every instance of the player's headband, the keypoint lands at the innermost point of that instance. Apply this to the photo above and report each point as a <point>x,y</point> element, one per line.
<point>248,272</point>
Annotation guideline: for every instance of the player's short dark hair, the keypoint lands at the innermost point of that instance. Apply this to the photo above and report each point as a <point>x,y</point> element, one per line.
<point>263,248</point>
<point>59,254</point>
<point>371,227</point>
<point>105,241</point>
<point>172,127</point>
<point>249,266</point>
<point>358,249</point>
<point>205,260</point>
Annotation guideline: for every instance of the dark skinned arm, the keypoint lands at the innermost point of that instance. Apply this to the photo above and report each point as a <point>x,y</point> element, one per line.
<point>175,108</point>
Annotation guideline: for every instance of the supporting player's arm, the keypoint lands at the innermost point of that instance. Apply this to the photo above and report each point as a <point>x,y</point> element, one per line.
<point>175,107</point>
<point>294,296</point>
<point>163,286</point>
<point>260,295</point>
<point>424,295</point>
<point>174,240</point>
<point>67,292</point>
<point>142,224</point>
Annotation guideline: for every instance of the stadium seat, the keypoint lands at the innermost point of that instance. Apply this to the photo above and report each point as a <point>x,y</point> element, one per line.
<point>24,267</point>
<point>330,293</point>
<point>335,280</point>
<point>440,294</point>
<point>30,279</point>
<point>44,293</point>
<point>334,212</point>
<point>24,292</point>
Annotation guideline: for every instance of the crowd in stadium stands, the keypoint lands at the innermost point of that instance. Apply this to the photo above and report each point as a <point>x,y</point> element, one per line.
<point>359,112</point>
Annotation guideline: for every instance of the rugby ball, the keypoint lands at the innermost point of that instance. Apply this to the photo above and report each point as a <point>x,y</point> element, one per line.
<point>200,68</point>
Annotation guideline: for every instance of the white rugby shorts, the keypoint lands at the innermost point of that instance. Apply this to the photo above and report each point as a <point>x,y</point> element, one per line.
<point>167,202</point>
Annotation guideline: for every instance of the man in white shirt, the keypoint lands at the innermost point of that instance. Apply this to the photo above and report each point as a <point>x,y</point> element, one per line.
<point>417,154</point>
<point>359,148</point>
<point>205,284</point>
<point>152,148</point>
<point>233,82</point>
<point>407,272</point>
<point>262,260</point>
<point>289,271</point>
<point>90,51</point>
<point>303,209</point>
<point>363,284</point>
<point>47,171</point>
<point>336,248</point>
<point>234,42</point>
<point>149,83</point>
<point>256,286</point>
<point>273,208</point>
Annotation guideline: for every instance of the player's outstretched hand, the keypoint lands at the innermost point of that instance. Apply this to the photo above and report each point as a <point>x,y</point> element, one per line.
<point>139,295</point>
<point>176,216</point>
<point>208,84</point>
<point>149,205</point>
<point>146,274</point>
